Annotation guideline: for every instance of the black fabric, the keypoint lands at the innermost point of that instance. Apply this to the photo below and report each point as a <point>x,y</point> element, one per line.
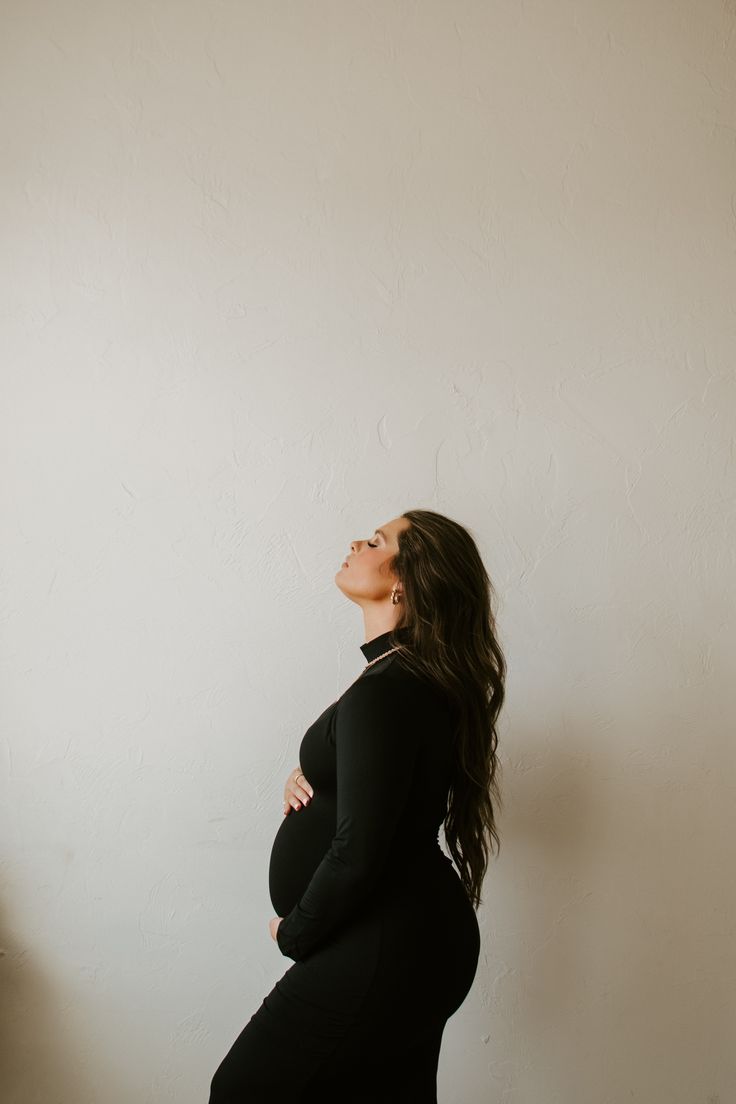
<point>383,938</point>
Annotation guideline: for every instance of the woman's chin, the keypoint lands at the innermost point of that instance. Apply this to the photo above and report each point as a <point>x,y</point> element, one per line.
<point>344,591</point>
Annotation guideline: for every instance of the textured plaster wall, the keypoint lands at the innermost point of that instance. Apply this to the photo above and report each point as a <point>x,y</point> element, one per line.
<point>271,273</point>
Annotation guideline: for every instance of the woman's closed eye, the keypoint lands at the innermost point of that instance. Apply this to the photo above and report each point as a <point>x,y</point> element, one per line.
<point>371,545</point>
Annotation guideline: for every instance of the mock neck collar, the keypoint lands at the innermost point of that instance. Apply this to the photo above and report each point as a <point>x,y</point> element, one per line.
<point>378,644</point>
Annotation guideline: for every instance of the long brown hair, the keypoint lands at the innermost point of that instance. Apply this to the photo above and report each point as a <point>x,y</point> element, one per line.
<point>450,637</point>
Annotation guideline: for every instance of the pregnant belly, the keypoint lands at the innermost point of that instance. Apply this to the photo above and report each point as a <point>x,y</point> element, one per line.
<point>298,848</point>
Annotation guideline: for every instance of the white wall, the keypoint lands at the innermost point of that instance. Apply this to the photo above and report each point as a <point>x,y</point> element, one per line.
<point>272,273</point>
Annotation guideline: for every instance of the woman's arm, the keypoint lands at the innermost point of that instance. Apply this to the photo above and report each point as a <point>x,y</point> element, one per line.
<point>378,728</point>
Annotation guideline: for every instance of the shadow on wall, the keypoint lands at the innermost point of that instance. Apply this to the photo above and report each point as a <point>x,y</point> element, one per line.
<point>40,1057</point>
<point>616,852</point>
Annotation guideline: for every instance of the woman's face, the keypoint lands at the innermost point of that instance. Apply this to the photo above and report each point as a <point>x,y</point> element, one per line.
<point>365,574</point>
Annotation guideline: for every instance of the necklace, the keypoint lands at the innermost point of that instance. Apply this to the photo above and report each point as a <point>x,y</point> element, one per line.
<point>377,659</point>
<point>381,656</point>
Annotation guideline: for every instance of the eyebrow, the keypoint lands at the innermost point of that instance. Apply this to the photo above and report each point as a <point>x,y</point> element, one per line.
<point>382,534</point>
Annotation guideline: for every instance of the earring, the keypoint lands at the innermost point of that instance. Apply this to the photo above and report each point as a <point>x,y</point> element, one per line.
<point>395,596</point>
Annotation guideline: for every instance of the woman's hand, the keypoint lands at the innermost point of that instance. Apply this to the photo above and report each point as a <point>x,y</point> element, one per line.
<point>296,795</point>
<point>273,926</point>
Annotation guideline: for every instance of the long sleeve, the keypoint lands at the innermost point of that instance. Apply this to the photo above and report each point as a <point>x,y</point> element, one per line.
<point>377,735</point>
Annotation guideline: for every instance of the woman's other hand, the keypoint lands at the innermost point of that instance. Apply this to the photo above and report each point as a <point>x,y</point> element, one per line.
<point>297,791</point>
<point>273,926</point>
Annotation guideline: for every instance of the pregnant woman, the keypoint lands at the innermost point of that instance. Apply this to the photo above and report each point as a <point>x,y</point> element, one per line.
<point>379,924</point>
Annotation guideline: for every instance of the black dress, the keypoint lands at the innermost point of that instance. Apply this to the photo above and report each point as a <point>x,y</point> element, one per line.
<point>384,939</point>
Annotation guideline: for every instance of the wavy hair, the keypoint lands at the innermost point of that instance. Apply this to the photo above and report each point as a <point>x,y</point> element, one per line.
<point>448,635</point>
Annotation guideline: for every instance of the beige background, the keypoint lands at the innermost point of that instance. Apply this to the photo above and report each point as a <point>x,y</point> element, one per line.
<point>272,273</point>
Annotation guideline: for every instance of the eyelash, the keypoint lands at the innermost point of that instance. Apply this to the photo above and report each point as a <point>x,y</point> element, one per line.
<point>371,545</point>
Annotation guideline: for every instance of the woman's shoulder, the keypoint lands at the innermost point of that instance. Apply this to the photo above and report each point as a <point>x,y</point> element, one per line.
<point>392,681</point>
